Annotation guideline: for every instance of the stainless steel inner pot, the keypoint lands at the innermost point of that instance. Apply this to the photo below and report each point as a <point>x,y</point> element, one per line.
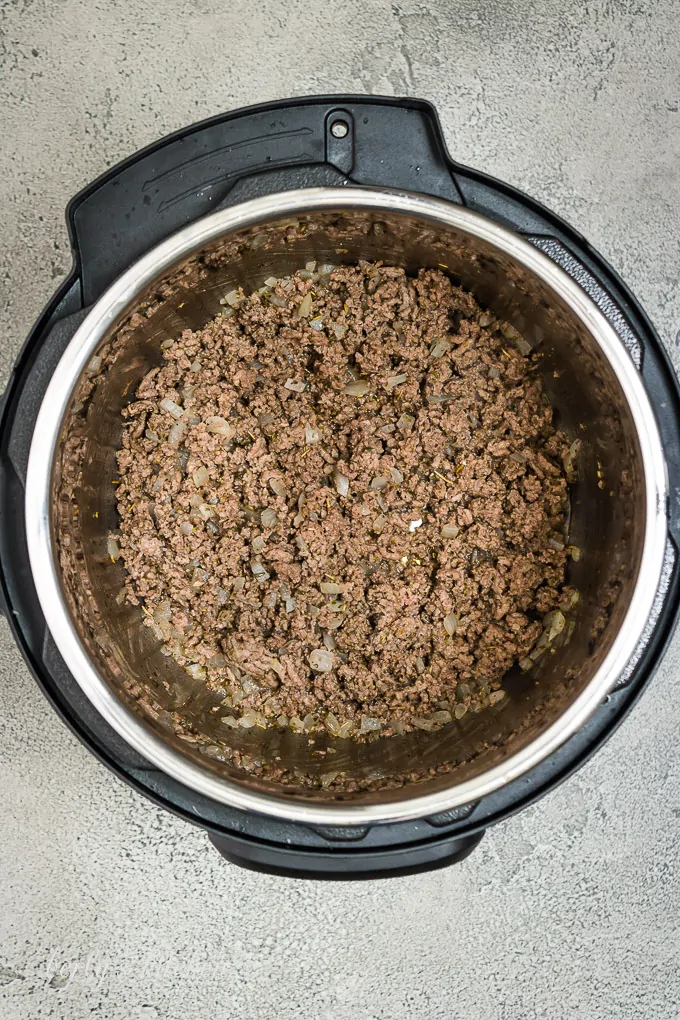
<point>618,505</point>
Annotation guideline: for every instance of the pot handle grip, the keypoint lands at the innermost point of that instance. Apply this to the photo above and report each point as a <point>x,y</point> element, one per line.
<point>297,143</point>
<point>341,863</point>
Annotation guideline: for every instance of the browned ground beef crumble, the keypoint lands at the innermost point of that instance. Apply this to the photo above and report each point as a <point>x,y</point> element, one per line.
<point>343,502</point>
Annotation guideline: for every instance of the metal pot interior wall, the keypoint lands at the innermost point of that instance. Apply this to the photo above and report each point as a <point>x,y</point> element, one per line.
<point>607,508</point>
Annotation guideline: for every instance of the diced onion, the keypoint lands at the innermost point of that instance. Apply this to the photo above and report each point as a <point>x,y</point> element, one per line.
<point>406,423</point>
<point>312,435</point>
<point>305,306</point>
<point>195,670</point>
<point>332,724</point>
<point>341,483</point>
<point>258,240</point>
<point>369,724</point>
<point>569,461</point>
<point>218,426</point>
<point>570,599</point>
<point>201,476</point>
<point>249,686</point>
<point>112,548</point>
<point>176,433</point>
<point>357,389</point>
<point>321,660</point>
<point>296,386</point>
<point>330,588</point>
<point>269,518</point>
<point>423,724</point>
<point>259,572</point>
<point>277,486</point>
<point>302,545</point>
<point>440,348</point>
<point>172,407</point>
<point>554,624</point>
<point>395,380</point>
<point>510,333</point>
<point>451,624</point>
<point>450,531</point>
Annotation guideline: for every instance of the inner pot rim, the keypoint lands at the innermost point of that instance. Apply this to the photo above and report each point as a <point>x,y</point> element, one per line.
<point>111,307</point>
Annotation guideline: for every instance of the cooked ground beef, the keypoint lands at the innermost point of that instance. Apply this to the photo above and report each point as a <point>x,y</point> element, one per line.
<point>343,502</point>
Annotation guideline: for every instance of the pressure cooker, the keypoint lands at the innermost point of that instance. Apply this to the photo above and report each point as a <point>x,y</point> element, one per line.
<point>157,241</point>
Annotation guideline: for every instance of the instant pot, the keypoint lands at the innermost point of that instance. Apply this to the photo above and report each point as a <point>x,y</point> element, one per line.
<point>157,242</point>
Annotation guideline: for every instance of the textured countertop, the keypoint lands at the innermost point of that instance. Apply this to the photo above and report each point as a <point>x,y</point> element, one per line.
<point>112,908</point>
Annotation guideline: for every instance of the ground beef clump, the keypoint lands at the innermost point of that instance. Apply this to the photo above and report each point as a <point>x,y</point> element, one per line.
<point>343,502</point>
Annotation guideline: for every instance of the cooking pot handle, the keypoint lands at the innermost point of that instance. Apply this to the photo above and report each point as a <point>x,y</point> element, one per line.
<point>296,143</point>
<point>342,863</point>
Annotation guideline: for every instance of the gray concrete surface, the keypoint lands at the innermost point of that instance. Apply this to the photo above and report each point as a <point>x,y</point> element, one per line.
<point>111,908</point>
